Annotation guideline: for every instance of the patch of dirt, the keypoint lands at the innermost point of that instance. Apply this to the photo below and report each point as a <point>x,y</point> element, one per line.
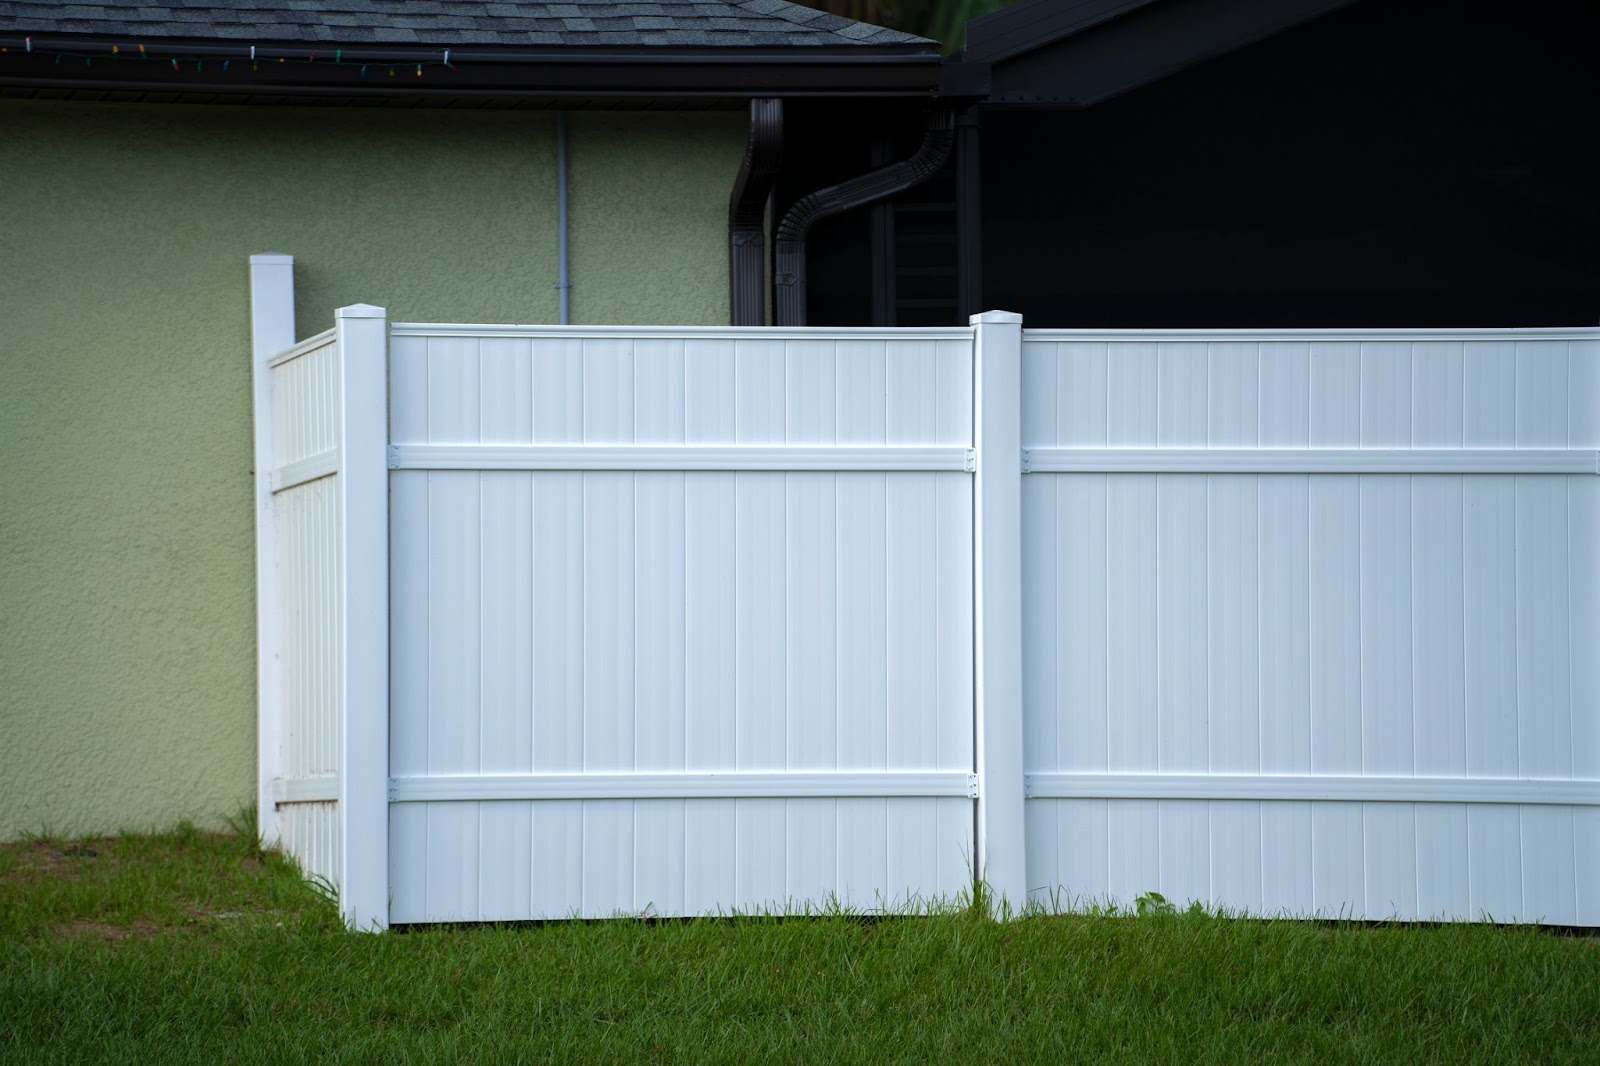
<point>105,932</point>
<point>187,904</point>
<point>38,860</point>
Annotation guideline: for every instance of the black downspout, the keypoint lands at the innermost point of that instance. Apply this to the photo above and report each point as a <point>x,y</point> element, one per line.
<point>969,216</point>
<point>789,275</point>
<point>747,214</point>
<point>883,251</point>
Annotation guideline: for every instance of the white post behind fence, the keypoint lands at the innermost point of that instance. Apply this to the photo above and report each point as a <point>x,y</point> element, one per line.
<point>997,504</point>
<point>362,336</point>
<point>271,331</point>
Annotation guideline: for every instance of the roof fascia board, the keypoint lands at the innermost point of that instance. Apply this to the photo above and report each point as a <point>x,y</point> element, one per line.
<point>963,81</point>
<point>646,72</point>
<point>1032,24</point>
<point>1154,43</point>
<point>101,44</point>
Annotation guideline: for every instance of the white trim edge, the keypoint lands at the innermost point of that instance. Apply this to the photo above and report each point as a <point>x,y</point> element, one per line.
<point>1502,790</point>
<point>735,785</point>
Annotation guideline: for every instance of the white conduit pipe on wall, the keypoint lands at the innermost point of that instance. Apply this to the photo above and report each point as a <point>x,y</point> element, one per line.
<point>564,284</point>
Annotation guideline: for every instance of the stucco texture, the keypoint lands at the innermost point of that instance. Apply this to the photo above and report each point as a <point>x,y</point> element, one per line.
<point>127,600</point>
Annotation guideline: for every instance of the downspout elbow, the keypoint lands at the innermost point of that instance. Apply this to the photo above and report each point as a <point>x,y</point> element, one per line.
<point>790,271</point>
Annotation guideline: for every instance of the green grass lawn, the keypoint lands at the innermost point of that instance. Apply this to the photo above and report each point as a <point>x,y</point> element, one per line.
<point>191,947</point>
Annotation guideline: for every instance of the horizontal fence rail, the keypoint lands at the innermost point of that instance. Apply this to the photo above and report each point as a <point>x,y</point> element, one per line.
<point>1343,336</point>
<point>302,471</point>
<point>719,334</point>
<point>321,789</point>
<point>1490,790</point>
<point>746,785</point>
<point>675,457</point>
<point>313,344</point>
<point>1311,460</point>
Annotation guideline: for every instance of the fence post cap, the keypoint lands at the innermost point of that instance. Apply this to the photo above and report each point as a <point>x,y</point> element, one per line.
<point>985,317</point>
<point>271,259</point>
<point>361,311</point>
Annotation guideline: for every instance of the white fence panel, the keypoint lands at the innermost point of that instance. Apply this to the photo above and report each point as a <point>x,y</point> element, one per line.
<point>304,386</point>
<point>322,592</point>
<point>682,620</point>
<point>1259,675</point>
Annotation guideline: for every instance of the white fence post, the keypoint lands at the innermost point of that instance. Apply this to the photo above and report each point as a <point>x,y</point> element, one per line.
<point>271,331</point>
<point>998,602</point>
<point>363,335</point>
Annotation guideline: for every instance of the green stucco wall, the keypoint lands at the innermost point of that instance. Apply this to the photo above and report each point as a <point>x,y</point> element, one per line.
<point>127,624</point>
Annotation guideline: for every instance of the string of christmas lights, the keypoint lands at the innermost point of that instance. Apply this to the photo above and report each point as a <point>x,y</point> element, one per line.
<point>222,58</point>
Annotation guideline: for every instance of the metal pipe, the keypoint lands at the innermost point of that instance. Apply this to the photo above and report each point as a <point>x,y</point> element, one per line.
<point>789,275</point>
<point>969,217</point>
<point>564,285</point>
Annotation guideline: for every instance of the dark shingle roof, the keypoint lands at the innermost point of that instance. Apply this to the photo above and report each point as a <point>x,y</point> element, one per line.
<point>502,23</point>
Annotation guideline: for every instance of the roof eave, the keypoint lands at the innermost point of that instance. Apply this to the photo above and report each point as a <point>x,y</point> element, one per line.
<point>207,66</point>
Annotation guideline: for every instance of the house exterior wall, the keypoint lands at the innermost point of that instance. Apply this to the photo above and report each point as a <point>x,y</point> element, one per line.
<point>127,678</point>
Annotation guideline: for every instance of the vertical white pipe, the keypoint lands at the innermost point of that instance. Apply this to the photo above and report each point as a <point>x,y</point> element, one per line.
<point>565,284</point>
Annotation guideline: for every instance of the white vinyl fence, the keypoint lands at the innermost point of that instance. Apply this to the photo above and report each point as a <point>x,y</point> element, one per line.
<point>1311,621</point>
<point>588,621</point>
<point>681,621</point>
<point>306,529</point>
<point>321,590</point>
